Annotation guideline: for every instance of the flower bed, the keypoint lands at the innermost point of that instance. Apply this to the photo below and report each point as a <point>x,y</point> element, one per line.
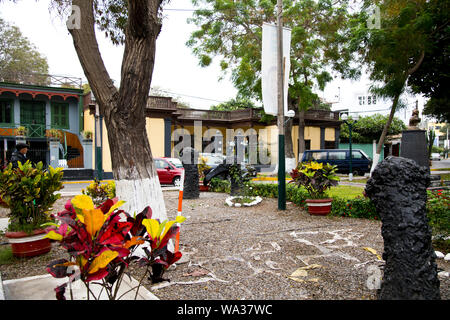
<point>239,201</point>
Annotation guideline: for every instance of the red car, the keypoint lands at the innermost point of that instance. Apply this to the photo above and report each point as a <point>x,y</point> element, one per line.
<point>169,170</point>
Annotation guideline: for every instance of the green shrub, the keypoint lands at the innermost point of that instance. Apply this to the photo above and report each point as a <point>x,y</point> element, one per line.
<point>29,193</point>
<point>265,190</point>
<point>438,211</point>
<point>100,192</point>
<point>219,185</point>
<point>438,204</point>
<point>358,207</point>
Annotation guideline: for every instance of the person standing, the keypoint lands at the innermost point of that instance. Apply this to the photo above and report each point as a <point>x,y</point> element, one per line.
<point>20,154</point>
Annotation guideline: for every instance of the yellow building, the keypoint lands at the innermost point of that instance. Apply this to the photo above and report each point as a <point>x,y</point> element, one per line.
<point>170,128</point>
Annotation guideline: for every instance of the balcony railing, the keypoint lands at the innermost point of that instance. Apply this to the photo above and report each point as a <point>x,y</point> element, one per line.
<point>47,80</point>
<point>30,130</point>
<point>165,104</point>
<point>212,115</point>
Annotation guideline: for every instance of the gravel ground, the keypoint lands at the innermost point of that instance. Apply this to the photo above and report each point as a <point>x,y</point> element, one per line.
<point>251,252</point>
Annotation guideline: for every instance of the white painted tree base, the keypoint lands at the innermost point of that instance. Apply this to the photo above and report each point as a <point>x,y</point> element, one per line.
<point>291,164</point>
<point>139,194</point>
<point>376,158</point>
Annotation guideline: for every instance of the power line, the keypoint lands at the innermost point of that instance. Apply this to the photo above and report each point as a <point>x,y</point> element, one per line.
<point>179,10</point>
<point>189,96</point>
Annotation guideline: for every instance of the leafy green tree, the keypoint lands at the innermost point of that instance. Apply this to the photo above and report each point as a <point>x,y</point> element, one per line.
<point>232,32</point>
<point>432,78</point>
<point>135,24</point>
<point>369,128</point>
<point>235,104</point>
<point>392,52</point>
<point>20,61</point>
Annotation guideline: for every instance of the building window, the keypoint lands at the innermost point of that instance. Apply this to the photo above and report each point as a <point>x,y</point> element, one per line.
<point>60,115</point>
<point>363,100</point>
<point>307,144</point>
<point>6,112</point>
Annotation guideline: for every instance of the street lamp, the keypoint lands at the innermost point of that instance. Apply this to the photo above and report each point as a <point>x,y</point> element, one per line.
<point>350,123</point>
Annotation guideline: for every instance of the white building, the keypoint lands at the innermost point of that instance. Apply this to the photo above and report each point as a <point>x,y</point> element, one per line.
<point>355,96</point>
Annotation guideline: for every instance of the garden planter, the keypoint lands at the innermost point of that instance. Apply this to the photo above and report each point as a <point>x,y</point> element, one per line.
<point>28,245</point>
<point>230,201</point>
<point>203,187</point>
<point>319,207</point>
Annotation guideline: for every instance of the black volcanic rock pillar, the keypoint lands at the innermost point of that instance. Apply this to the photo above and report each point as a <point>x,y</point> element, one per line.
<point>398,190</point>
<point>191,188</point>
<point>414,146</point>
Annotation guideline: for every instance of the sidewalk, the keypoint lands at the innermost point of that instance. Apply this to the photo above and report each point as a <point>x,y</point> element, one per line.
<point>42,288</point>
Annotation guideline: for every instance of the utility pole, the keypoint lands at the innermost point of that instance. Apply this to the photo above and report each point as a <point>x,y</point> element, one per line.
<point>280,120</point>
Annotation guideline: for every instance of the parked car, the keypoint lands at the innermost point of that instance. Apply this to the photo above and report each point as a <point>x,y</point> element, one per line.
<point>361,162</point>
<point>435,157</point>
<point>169,170</point>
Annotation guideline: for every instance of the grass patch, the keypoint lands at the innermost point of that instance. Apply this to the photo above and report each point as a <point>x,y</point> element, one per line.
<point>6,256</point>
<point>346,192</point>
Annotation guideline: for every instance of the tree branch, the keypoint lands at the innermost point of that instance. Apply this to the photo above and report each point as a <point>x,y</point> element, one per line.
<point>417,65</point>
<point>88,52</point>
<point>142,30</point>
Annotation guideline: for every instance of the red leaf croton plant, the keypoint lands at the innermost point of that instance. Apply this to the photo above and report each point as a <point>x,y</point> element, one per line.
<point>101,242</point>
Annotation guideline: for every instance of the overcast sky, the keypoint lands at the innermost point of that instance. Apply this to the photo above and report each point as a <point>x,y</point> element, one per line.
<point>176,68</point>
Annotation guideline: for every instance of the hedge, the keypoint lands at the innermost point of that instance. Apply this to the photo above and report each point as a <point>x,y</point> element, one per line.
<point>356,208</point>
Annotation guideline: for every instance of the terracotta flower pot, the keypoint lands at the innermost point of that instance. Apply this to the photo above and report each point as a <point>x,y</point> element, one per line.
<point>319,207</point>
<point>28,245</point>
<point>202,187</point>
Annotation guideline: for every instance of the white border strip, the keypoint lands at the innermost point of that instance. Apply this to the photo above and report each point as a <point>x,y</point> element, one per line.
<point>319,204</point>
<point>27,239</point>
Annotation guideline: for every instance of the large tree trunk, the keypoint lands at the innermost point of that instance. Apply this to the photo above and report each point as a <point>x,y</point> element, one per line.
<point>124,109</point>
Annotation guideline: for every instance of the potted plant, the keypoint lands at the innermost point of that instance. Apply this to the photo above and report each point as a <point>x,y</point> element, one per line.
<point>29,193</point>
<point>21,131</point>
<point>202,168</point>
<point>316,178</point>
<point>54,134</point>
<point>99,192</point>
<point>87,135</point>
<point>101,243</point>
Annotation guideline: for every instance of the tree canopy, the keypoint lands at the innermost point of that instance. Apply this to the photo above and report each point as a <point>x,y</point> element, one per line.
<point>20,61</point>
<point>392,51</point>
<point>369,128</point>
<point>433,76</point>
<point>232,32</point>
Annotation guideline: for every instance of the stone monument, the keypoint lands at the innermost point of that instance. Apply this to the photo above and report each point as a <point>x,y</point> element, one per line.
<point>414,143</point>
<point>189,158</point>
<point>398,190</point>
